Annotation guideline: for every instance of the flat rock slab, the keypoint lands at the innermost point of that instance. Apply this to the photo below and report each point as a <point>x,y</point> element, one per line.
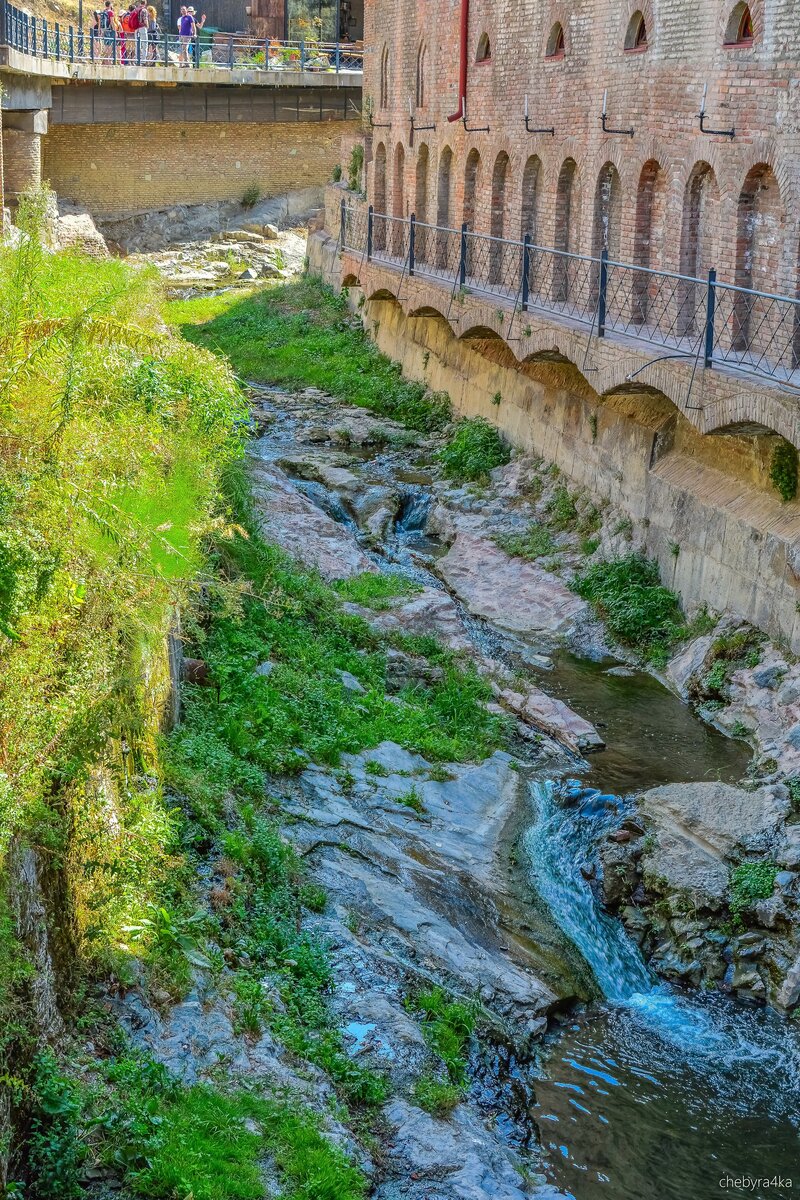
<point>514,595</point>
<point>553,716</point>
<point>427,612</point>
<point>698,828</point>
<point>427,881</point>
<point>298,526</point>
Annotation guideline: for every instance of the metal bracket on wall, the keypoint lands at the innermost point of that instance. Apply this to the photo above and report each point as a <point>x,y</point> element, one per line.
<point>728,133</point>
<point>470,128</point>
<point>375,125</point>
<point>551,130</point>
<point>625,132</point>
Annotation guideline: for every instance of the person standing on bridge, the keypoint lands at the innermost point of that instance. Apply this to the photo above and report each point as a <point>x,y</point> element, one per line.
<point>108,30</point>
<point>141,24</point>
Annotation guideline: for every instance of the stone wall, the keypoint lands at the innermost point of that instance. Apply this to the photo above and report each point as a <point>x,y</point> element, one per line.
<point>114,170</point>
<point>699,497</point>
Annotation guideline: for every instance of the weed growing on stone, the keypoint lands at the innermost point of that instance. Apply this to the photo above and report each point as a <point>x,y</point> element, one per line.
<point>637,609</point>
<point>437,1096</point>
<point>448,1026</point>
<point>474,450</point>
<point>535,542</point>
<point>750,882</point>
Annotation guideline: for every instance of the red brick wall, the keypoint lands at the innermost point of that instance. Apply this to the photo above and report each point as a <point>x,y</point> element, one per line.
<point>670,196</point>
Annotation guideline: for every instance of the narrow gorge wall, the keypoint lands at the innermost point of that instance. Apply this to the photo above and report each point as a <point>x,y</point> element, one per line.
<point>701,504</point>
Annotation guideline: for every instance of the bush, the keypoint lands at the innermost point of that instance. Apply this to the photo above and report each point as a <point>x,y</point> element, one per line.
<point>475,449</point>
<point>437,1096</point>
<point>638,610</point>
<point>251,196</point>
<point>783,470</point>
<point>354,167</point>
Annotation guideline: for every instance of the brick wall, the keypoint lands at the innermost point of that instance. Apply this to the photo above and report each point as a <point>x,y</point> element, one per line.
<point>670,197</point>
<point>116,170</point>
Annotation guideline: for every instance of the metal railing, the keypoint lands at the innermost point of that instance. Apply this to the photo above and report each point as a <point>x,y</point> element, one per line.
<point>706,321</point>
<point>40,38</point>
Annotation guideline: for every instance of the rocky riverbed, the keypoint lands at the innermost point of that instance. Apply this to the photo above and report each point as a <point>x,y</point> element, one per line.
<point>414,857</point>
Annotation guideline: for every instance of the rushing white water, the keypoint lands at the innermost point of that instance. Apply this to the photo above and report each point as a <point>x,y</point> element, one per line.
<point>561,847</point>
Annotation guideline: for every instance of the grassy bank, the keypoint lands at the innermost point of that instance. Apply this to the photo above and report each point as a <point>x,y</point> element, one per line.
<point>303,335</point>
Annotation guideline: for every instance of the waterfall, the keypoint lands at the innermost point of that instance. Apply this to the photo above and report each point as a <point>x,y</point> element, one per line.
<point>562,850</point>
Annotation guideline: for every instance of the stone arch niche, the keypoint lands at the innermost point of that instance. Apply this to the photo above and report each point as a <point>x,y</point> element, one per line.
<point>379,196</point>
<point>555,47</point>
<point>398,201</point>
<point>636,33</point>
<point>760,229</point>
<point>647,219</point>
<point>444,218</point>
<point>529,209</point>
<point>698,245</point>
<point>739,27</point>
<point>422,55</point>
<point>384,87</point>
<point>566,228</point>
<point>421,203</point>
<point>498,224</point>
<point>472,172</point>
<point>607,220</point>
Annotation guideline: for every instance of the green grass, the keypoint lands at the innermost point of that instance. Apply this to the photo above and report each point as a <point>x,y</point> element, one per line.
<point>448,1026</point>
<point>639,612</point>
<point>561,509</point>
<point>535,542</point>
<point>474,450</point>
<point>376,590</point>
<point>170,1141</point>
<point>437,1096</point>
<point>302,335</point>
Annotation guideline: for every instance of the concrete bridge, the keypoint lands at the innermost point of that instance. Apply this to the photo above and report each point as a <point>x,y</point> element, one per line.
<point>124,133</point>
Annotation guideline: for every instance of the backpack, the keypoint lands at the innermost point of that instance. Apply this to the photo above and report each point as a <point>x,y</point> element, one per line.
<point>106,19</point>
<point>143,17</point>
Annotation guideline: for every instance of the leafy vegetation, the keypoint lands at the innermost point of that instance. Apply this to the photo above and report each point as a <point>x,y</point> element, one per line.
<point>730,652</point>
<point>750,881</point>
<point>437,1096</point>
<point>637,609</point>
<point>535,542</point>
<point>302,335</point>
<point>354,167</point>
<point>376,589</point>
<point>474,450</point>
<point>783,469</point>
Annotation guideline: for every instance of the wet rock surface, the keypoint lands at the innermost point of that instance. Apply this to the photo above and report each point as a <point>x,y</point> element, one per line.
<point>699,887</point>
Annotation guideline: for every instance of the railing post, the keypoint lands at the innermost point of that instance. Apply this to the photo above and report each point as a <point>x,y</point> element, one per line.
<point>166,49</point>
<point>412,237</point>
<point>601,297</point>
<point>462,257</point>
<point>370,220</point>
<point>45,39</point>
<point>138,49</point>
<point>711,305</point>
<point>81,45</point>
<point>303,55</point>
<point>92,34</point>
<point>71,44</point>
<point>526,271</point>
<point>58,42</point>
<point>4,21</point>
<point>114,41</point>
<point>342,218</point>
<point>196,54</point>
<point>338,56</point>
<point>230,52</point>
<point>35,44</point>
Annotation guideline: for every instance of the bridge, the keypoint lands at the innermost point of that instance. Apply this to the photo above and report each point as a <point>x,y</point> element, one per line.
<point>116,125</point>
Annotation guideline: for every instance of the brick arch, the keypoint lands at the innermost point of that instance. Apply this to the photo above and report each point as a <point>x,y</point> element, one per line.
<point>699,242</point>
<point>532,180</point>
<point>726,13</point>
<point>499,215</point>
<point>445,218</point>
<point>775,413</point>
<point>398,198</point>
<point>379,194</point>
<point>607,213</point>
<point>421,188</point>
<point>566,225</point>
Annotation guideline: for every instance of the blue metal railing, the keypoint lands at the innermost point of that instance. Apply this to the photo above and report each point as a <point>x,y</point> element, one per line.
<point>40,38</point>
<point>709,322</point>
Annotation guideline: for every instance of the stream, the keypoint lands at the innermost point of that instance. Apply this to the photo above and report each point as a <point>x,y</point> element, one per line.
<point>645,1093</point>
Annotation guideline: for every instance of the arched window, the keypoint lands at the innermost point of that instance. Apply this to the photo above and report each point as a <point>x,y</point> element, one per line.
<point>566,227</point>
<point>421,202</point>
<point>739,30</point>
<point>555,43</point>
<point>421,56</point>
<point>443,217</point>
<point>398,199</point>
<point>379,196</point>
<point>530,196</point>
<point>636,35</point>
<point>698,244</point>
<point>384,80</point>
<point>497,250</point>
<point>484,49</point>
<point>471,189</point>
